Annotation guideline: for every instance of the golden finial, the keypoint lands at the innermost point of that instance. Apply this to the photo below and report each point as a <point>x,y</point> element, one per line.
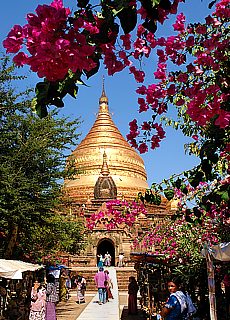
<point>103,101</point>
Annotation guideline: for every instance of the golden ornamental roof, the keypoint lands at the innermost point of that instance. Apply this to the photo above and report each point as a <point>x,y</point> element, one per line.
<point>123,163</point>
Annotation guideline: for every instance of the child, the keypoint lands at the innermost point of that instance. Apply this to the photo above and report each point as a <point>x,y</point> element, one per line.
<point>80,292</point>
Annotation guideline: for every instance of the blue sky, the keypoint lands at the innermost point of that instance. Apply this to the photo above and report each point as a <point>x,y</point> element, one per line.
<point>120,89</point>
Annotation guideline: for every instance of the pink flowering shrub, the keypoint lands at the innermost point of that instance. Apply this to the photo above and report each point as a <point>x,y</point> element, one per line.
<point>54,47</point>
<point>206,47</point>
<point>118,213</point>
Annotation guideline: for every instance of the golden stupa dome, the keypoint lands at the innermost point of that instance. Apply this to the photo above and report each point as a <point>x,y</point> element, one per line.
<point>125,165</point>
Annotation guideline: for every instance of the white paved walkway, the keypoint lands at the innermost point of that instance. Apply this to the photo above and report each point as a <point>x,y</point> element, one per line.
<point>109,310</point>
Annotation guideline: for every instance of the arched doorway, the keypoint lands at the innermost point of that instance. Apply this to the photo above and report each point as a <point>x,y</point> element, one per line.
<point>104,246</point>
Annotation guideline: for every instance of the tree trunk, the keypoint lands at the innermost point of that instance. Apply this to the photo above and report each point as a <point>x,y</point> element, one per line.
<point>12,239</point>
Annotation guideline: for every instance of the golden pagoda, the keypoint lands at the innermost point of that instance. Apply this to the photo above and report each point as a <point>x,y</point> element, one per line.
<point>109,168</point>
<point>126,167</point>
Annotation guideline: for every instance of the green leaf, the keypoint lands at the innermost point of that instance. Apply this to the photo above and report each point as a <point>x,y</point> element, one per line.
<point>169,194</point>
<point>41,110</point>
<point>165,4</point>
<point>157,199</point>
<point>222,195</point>
<point>184,189</point>
<point>82,3</point>
<point>225,196</point>
<point>58,102</point>
<point>213,157</point>
<point>41,91</point>
<point>128,19</point>
<point>140,196</point>
<point>150,25</point>
<point>211,4</point>
<point>147,196</point>
<point>196,179</point>
<point>151,7</point>
<point>69,87</point>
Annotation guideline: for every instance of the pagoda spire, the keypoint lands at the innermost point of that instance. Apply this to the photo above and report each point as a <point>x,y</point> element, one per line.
<point>103,101</point>
<point>105,168</point>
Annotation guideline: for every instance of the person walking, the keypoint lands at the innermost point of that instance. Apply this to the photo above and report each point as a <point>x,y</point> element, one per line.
<point>63,291</point>
<point>100,278</point>
<point>132,299</point>
<point>51,298</point>
<point>109,286</point>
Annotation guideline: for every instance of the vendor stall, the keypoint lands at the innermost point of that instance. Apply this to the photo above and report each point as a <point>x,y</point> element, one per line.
<point>16,279</point>
<point>152,272</point>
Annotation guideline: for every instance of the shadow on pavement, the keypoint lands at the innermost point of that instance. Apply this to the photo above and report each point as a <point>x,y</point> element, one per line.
<point>125,316</point>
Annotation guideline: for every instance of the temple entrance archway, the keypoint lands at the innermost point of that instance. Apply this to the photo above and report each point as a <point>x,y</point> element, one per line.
<point>104,246</point>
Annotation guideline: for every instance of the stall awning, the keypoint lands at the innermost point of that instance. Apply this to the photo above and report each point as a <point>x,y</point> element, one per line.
<point>148,257</point>
<point>12,269</point>
<point>221,251</point>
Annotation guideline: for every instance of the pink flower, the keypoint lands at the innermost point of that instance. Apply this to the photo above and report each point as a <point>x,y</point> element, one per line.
<point>195,137</point>
<point>142,105</point>
<point>140,30</point>
<point>180,102</point>
<point>190,41</point>
<point>138,75</point>
<point>14,40</point>
<point>171,90</point>
<point>143,148</point>
<point>142,12</point>
<point>161,42</point>
<point>20,59</point>
<point>201,29</point>
<point>146,126</point>
<point>151,39</point>
<point>90,27</point>
<point>141,90</point>
<point>182,77</point>
<point>161,55</point>
<point>162,108</point>
<point>223,119</point>
<point>160,73</point>
<point>126,41</point>
<point>179,24</point>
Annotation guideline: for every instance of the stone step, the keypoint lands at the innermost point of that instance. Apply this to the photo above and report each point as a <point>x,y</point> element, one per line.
<point>123,275</point>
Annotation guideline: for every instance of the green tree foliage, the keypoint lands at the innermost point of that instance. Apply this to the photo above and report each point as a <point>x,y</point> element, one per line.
<point>32,169</point>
